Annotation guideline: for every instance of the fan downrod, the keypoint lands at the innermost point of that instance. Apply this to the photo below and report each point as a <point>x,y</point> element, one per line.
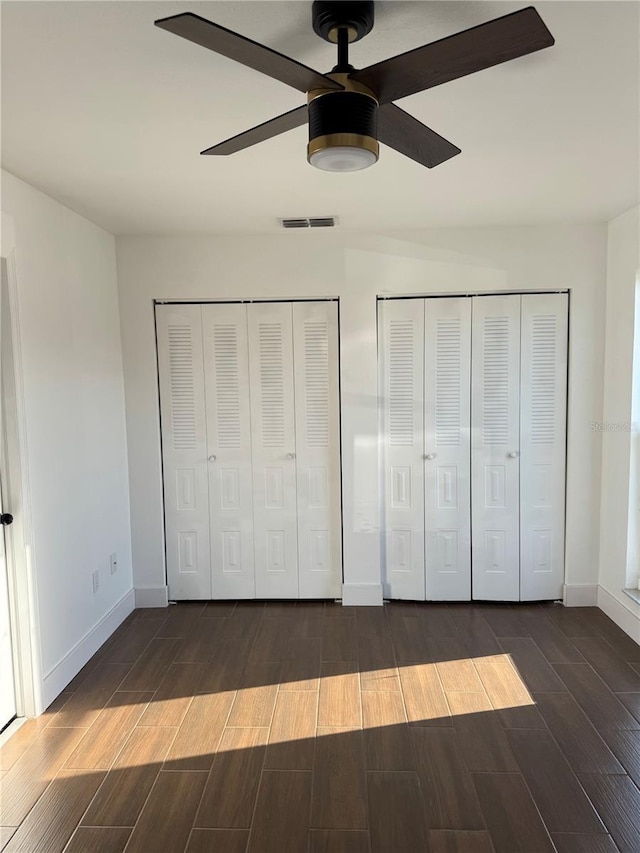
<point>329,16</point>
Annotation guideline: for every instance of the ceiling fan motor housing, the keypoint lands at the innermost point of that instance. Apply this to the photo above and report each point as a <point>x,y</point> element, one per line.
<point>347,118</point>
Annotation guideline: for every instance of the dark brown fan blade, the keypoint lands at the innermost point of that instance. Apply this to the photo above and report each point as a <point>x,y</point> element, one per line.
<point>247,52</point>
<point>273,127</point>
<point>456,56</point>
<point>410,137</point>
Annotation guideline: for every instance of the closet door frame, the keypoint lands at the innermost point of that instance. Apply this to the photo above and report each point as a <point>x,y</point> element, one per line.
<point>306,589</point>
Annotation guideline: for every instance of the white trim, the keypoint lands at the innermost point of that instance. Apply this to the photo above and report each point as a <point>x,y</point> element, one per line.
<point>362,594</point>
<point>70,665</point>
<point>580,594</point>
<point>152,596</point>
<point>625,617</point>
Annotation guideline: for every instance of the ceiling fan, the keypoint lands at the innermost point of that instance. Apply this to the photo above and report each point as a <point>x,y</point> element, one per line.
<point>349,111</point>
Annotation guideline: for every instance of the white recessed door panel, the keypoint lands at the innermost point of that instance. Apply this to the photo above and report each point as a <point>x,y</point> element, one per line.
<point>274,449</point>
<point>542,447</point>
<point>315,338</point>
<point>401,324</point>
<point>226,361</point>
<point>495,448</point>
<point>184,450</point>
<point>447,477</point>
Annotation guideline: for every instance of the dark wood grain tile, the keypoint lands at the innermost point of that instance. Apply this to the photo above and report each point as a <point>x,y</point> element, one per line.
<point>181,619</point>
<point>387,737</point>
<point>450,798</point>
<point>625,745</point>
<point>245,621</point>
<point>371,621</point>
<point>338,841</point>
<point>532,666</point>
<point>455,668</point>
<point>171,700</point>
<point>510,813</point>
<point>223,671</point>
<point>555,788</point>
<point>20,741</point>
<point>124,791</point>
<point>271,643</point>
<point>339,640</point>
<point>435,620</point>
<point>602,707</point>
<point>196,742</point>
<point>396,813</point>
<point>218,609</point>
<point>25,782</point>
<point>200,641</point>
<point>482,737</point>
<point>151,666</point>
<point>131,643</point>
<point>504,620</point>
<point>281,821</point>
<point>51,821</point>
<point>617,801</point>
<point>508,693</point>
<point>292,735</point>
<point>423,695</point>
<point>574,621</point>
<point>377,662</point>
<point>160,819</point>
<point>616,673</point>
<point>218,841</point>
<point>105,738</point>
<point>230,795</point>
<point>98,839</point>
<point>581,843</point>
<point>339,798</point>
<point>631,702</point>
<point>409,640</point>
<point>256,697</point>
<point>554,645</point>
<point>474,631</point>
<point>459,841</point>
<point>301,669</point>
<point>84,706</point>
<point>579,741</point>
<point>339,703</point>
<point>627,648</point>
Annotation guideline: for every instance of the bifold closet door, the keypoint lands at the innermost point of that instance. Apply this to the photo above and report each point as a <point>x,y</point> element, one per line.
<point>228,417</point>
<point>401,326</point>
<point>184,450</point>
<point>495,451</point>
<point>447,467</point>
<point>315,344</point>
<point>542,448</point>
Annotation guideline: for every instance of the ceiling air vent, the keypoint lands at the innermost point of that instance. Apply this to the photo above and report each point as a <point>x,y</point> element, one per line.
<point>312,222</point>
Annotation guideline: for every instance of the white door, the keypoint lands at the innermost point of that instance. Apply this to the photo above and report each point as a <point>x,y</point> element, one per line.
<point>228,417</point>
<point>274,450</point>
<point>7,679</point>
<point>315,345</point>
<point>184,449</point>
<point>402,356</point>
<point>495,448</point>
<point>447,476</point>
<point>542,445</point>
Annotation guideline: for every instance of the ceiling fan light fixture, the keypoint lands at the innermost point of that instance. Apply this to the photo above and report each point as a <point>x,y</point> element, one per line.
<point>342,130</point>
<point>336,154</point>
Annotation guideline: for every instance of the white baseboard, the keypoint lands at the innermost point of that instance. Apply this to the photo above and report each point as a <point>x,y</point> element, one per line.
<point>362,594</point>
<point>70,665</point>
<point>152,596</point>
<point>625,617</point>
<point>580,595</point>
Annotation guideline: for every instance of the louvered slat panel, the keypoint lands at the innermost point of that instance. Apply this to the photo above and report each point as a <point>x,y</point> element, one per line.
<point>448,377</point>
<point>316,392</point>
<point>271,384</point>
<point>225,350</point>
<point>183,414</point>
<point>543,379</point>
<point>401,382</point>
<point>495,381</point>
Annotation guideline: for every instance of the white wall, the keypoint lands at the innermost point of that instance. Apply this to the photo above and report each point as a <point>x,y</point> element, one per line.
<point>618,518</point>
<point>356,269</point>
<point>68,338</point>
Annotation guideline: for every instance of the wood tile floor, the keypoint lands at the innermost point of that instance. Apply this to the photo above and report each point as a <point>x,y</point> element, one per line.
<point>311,728</point>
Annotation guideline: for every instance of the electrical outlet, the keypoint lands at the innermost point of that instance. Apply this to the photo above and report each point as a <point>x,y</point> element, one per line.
<point>95,577</point>
<point>113,562</point>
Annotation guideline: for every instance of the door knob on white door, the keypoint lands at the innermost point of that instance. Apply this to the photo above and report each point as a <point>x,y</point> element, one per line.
<point>291,455</point>
<point>212,458</point>
<point>513,454</point>
<point>429,455</point>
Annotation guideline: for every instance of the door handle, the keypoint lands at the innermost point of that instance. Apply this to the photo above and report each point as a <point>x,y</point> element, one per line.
<point>291,455</point>
<point>6,518</point>
<point>429,455</point>
<point>212,458</point>
<point>514,454</point>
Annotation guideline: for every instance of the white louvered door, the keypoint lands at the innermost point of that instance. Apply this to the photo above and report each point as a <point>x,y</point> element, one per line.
<point>315,338</point>
<point>495,425</point>
<point>447,474</point>
<point>401,328</point>
<point>274,449</point>
<point>542,445</point>
<point>184,449</point>
<point>226,360</point>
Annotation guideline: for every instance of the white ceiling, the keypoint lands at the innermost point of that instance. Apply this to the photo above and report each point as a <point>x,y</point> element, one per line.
<point>108,113</point>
